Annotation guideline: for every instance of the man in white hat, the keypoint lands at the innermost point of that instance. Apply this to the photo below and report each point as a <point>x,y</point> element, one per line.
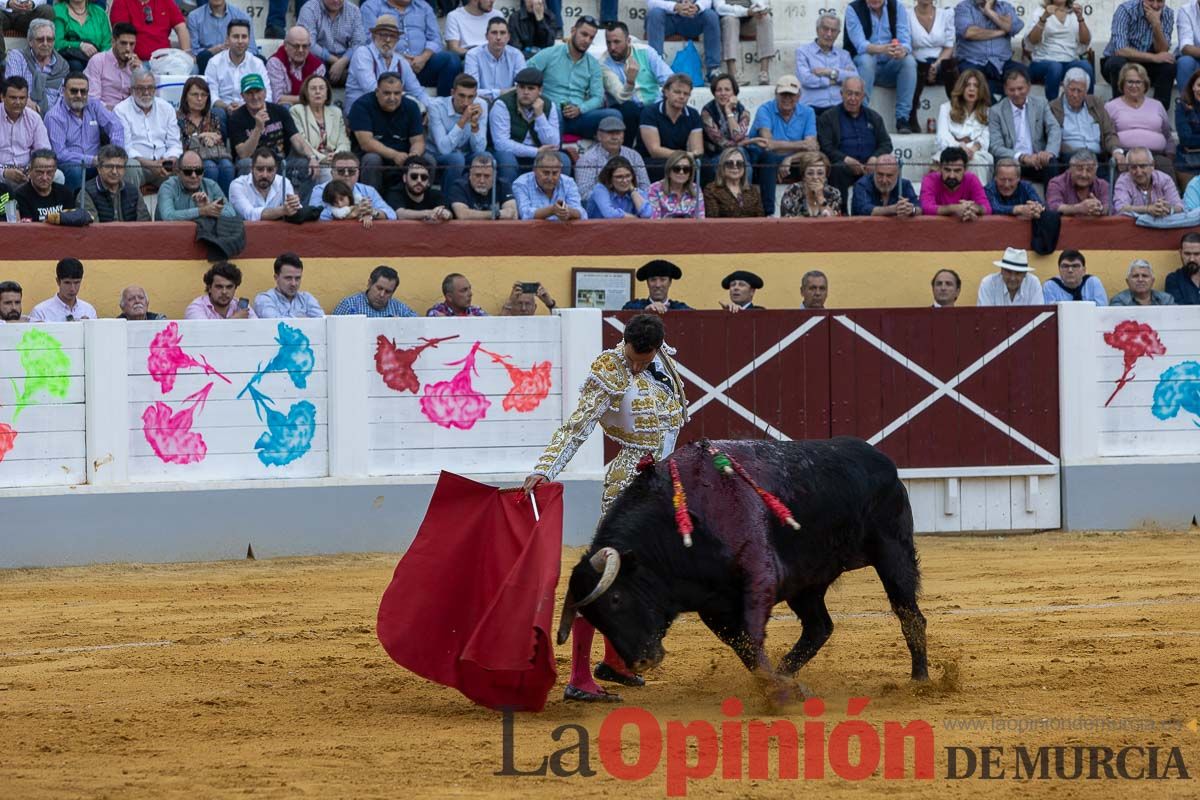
<point>1014,285</point>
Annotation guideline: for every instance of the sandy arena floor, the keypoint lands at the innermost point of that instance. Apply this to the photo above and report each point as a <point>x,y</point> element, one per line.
<point>265,678</point>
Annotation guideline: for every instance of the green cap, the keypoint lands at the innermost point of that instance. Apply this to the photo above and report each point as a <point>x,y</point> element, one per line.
<point>252,81</point>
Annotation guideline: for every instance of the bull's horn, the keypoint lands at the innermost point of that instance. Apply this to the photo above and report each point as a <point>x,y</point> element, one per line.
<point>610,560</point>
<point>566,619</point>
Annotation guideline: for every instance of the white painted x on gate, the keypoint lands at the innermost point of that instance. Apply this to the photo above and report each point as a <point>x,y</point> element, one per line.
<point>948,388</point>
<point>718,392</point>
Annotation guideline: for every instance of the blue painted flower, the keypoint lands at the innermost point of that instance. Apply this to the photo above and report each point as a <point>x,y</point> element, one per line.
<point>295,356</point>
<point>1178,389</point>
<point>287,437</point>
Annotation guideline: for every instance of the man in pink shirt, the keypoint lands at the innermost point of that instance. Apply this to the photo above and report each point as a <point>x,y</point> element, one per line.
<point>951,191</point>
<point>110,73</point>
<point>21,132</point>
<point>220,300</point>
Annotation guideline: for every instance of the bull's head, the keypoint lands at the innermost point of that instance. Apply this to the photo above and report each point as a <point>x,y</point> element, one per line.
<point>618,598</point>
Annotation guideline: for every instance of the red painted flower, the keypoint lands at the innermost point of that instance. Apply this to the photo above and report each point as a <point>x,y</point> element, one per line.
<point>166,358</point>
<point>169,432</point>
<point>1134,339</point>
<point>395,364</point>
<point>455,403</point>
<point>530,387</point>
<point>8,438</point>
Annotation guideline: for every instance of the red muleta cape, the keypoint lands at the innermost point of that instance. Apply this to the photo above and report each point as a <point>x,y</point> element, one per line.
<point>471,603</point>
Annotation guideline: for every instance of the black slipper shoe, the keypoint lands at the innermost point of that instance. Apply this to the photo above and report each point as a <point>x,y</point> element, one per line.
<point>604,672</point>
<point>583,696</point>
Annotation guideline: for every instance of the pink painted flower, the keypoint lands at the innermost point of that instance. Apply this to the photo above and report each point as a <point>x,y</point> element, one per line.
<point>455,403</point>
<point>8,439</point>
<point>166,358</point>
<point>169,432</point>
<point>1135,340</point>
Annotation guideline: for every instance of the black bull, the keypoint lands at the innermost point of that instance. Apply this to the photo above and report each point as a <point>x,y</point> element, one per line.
<point>637,576</point>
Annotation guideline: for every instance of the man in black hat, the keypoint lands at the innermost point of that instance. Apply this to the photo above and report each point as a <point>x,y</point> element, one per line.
<point>658,275</point>
<point>742,285</point>
<point>523,124</point>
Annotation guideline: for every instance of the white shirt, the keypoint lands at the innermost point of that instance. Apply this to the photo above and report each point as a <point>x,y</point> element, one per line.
<point>1023,144</point>
<point>951,133</point>
<point>466,28</point>
<point>55,310</point>
<point>154,135</point>
<point>249,203</point>
<point>993,292</point>
<point>1187,25</point>
<point>1060,40</point>
<point>225,78</point>
<point>927,45</point>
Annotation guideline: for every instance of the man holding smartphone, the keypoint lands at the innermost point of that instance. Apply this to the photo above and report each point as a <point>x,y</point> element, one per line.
<point>522,302</point>
<point>188,195</point>
<point>220,300</point>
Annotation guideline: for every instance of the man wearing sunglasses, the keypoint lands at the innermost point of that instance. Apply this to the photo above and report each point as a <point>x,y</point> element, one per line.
<point>366,198</point>
<point>65,305</point>
<point>416,198</point>
<point>574,80</point>
<point>188,195</point>
<point>74,126</point>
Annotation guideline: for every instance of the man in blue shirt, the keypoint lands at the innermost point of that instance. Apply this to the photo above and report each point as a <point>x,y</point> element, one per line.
<point>346,169</point>
<point>671,125</point>
<point>420,40</point>
<point>878,38</point>
<point>546,193</point>
<point>883,193</point>
<point>286,301</point>
<point>1141,32</point>
<point>983,33</point>
<point>387,126</point>
<point>853,137</point>
<point>1008,195</point>
<point>378,300</point>
<point>1073,283</point>
<point>782,127</point>
<point>689,19</point>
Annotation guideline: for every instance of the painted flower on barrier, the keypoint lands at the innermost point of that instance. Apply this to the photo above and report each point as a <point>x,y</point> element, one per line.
<point>1134,340</point>
<point>170,433</point>
<point>529,386</point>
<point>455,403</point>
<point>1178,390</point>
<point>395,364</point>
<point>295,357</point>
<point>47,368</point>
<point>166,358</point>
<point>8,438</point>
<point>289,436</point>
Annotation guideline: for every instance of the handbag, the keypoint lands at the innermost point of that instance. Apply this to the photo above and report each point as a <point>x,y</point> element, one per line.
<point>688,62</point>
<point>207,152</point>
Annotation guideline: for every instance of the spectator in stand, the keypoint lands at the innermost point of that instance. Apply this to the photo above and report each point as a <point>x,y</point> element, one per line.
<point>21,133</point>
<point>387,127</point>
<point>574,80</point>
<point>784,127</point>
<point>880,42</point>
<point>264,194</point>
<point>456,291</point>
<point>658,275</point>
<point>320,121</point>
<point>65,305</point>
<point>727,124</point>
<point>458,126</point>
<point>220,300</point>
<point>677,195</point>
<point>16,16</point>
<point>110,73</point>
<point>814,290</point>
<point>1059,38</point>
<point>615,195</point>
<point>1184,283</point>
<point>1142,189</point>
<point>1078,192</point>
<point>495,66</point>
<point>286,300</point>
<point>258,125</point>
<point>379,299</point>
<point>608,145</point>
<point>416,198</point>
<point>852,138</point>
<point>946,288</point>
<point>1141,121</point>
<point>1141,292</point>
<point>380,57</point>
<point>545,193</point>
<point>135,305</point>
<point>154,20</point>
<point>466,26</point>
<point>634,77</point>
<point>339,204</point>
<point>883,193</point>
<point>811,195</point>
<point>747,18</point>
<point>81,31</point>
<point>75,124</point>
<point>188,195</point>
<point>933,47</point>
<point>1187,127</point>
<point>1014,285</point>
<point>535,27</point>
<point>1073,283</point>
<point>152,136</point>
<point>671,126</point>
<point>524,123</point>
<point>690,19</point>
<point>1009,196</point>
<point>291,65</point>
<point>44,70</point>
<point>741,285</point>
<point>107,197</point>
<point>335,30</point>
<point>10,302</point>
<point>983,38</point>
<point>521,303</point>
<point>821,66</point>
<point>366,200</point>
<point>1141,33</point>
<point>963,121</point>
<point>1187,56</point>
<point>1022,128</point>
<point>40,199</point>
<point>1085,123</point>
<point>225,70</point>
<point>421,44</point>
<point>731,193</point>
<point>951,191</point>
<point>208,27</point>
<point>481,195</point>
<point>200,132</point>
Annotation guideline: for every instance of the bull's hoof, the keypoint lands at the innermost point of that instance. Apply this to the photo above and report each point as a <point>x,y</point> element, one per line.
<point>604,672</point>
<point>572,693</point>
